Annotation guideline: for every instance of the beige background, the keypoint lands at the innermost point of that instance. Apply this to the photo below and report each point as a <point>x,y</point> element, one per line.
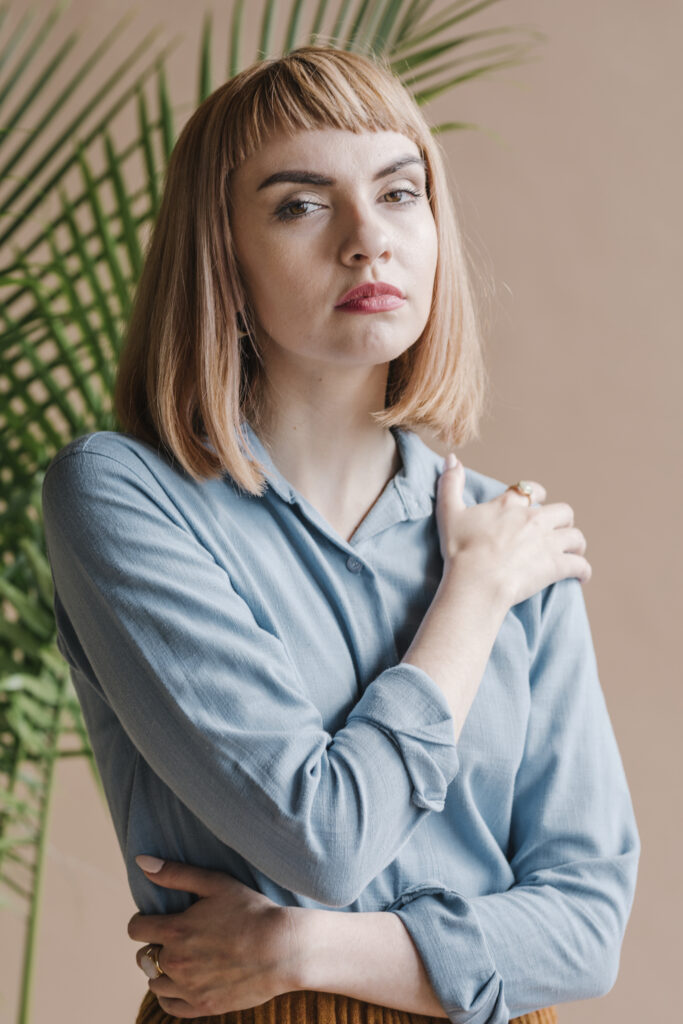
<point>570,199</point>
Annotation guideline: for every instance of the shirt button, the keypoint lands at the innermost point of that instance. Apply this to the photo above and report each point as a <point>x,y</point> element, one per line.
<point>353,564</point>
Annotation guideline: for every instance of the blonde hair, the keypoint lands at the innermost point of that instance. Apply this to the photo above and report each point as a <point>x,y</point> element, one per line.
<point>187,373</point>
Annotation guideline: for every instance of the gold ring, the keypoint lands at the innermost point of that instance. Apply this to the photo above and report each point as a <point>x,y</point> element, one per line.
<point>149,952</point>
<point>522,487</point>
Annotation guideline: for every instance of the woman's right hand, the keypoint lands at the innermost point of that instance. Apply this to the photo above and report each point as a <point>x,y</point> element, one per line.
<point>516,547</point>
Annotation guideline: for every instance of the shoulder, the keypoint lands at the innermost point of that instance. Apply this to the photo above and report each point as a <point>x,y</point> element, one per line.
<point>106,458</point>
<point>106,491</point>
<point>124,449</point>
<point>478,486</point>
<point>106,474</point>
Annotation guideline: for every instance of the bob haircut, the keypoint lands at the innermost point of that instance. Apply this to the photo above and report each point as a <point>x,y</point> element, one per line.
<point>190,369</point>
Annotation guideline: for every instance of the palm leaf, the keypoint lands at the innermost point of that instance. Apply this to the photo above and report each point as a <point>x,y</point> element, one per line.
<point>44,163</point>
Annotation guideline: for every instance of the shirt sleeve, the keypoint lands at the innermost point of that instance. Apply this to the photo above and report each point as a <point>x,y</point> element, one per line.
<point>214,702</point>
<point>556,934</point>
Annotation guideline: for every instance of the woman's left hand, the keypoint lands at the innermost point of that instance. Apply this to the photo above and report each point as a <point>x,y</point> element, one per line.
<point>231,950</point>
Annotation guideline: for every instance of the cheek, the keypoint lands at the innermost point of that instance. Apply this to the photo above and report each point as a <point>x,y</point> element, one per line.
<point>282,286</point>
<point>267,275</point>
<point>281,260</point>
<point>423,240</point>
<point>423,259</point>
<point>431,245</point>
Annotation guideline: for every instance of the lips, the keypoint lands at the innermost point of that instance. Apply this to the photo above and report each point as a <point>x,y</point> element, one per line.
<point>368,291</point>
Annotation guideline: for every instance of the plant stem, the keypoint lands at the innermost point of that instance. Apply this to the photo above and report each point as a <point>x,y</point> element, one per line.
<point>32,930</point>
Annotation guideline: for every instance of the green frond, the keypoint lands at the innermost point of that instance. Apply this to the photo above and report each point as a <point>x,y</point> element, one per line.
<point>234,63</point>
<point>205,60</point>
<point>66,139</point>
<point>264,40</point>
<point>292,32</point>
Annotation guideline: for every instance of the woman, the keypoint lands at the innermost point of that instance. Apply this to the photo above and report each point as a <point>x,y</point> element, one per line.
<point>321,669</point>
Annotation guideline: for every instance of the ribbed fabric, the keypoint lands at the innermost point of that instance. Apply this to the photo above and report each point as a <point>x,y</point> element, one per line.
<point>308,1007</point>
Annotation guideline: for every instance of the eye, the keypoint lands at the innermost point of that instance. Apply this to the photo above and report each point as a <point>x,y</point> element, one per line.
<point>404,191</point>
<point>284,213</point>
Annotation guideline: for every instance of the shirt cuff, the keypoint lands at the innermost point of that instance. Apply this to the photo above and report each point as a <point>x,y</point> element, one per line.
<point>470,990</point>
<point>406,704</point>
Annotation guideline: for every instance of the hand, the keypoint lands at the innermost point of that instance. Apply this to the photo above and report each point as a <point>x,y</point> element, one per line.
<point>516,548</point>
<point>231,950</point>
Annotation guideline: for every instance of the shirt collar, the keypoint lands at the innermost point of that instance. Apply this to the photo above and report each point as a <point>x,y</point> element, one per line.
<point>415,481</point>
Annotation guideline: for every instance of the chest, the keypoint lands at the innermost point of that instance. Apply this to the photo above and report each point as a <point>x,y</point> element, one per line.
<point>346,612</point>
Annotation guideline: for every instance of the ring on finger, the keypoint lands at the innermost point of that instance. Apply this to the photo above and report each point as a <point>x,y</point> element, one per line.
<point>150,952</point>
<point>523,487</point>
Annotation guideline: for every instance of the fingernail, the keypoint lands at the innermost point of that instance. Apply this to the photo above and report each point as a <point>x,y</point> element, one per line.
<point>151,864</point>
<point>451,461</point>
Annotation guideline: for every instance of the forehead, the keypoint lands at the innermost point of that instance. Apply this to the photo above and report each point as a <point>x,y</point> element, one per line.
<point>328,150</point>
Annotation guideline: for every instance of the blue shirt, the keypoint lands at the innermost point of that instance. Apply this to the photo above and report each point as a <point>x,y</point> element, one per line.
<point>238,666</point>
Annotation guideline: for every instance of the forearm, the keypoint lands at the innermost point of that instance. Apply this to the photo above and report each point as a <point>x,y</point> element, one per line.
<point>454,640</point>
<point>367,956</point>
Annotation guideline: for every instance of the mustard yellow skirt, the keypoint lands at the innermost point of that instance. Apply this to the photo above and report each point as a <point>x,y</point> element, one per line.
<point>308,1007</point>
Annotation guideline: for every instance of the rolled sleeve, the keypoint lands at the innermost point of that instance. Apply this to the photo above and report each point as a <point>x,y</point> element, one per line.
<point>406,704</point>
<point>445,929</point>
<point>555,935</point>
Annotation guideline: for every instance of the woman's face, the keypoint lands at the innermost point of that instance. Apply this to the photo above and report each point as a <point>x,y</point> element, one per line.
<point>302,244</point>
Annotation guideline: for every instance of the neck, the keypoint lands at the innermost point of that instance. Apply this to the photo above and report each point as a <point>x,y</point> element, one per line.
<point>322,438</point>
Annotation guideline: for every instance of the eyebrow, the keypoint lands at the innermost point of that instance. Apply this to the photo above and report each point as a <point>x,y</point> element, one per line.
<point>311,178</point>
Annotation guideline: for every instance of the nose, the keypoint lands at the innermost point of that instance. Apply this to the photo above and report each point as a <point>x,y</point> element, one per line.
<point>365,238</point>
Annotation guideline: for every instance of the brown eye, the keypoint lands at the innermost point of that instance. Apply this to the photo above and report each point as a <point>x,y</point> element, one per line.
<point>284,212</point>
<point>403,191</point>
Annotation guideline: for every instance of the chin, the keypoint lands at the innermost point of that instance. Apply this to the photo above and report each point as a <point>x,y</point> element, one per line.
<point>375,352</point>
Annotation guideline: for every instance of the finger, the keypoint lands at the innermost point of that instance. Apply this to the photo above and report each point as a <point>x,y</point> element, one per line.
<point>576,566</point>
<point>178,1007</point>
<point>452,480</point>
<point>572,539</point>
<point>151,927</point>
<point>538,491</point>
<point>175,875</point>
<point>166,987</point>
<point>557,514</point>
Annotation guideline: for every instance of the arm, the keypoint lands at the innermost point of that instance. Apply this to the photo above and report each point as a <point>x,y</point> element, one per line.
<point>206,693</point>
<point>366,956</point>
<point>556,934</point>
<point>234,948</point>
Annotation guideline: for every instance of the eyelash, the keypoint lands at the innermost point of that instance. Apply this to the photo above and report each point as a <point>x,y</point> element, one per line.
<point>283,214</point>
